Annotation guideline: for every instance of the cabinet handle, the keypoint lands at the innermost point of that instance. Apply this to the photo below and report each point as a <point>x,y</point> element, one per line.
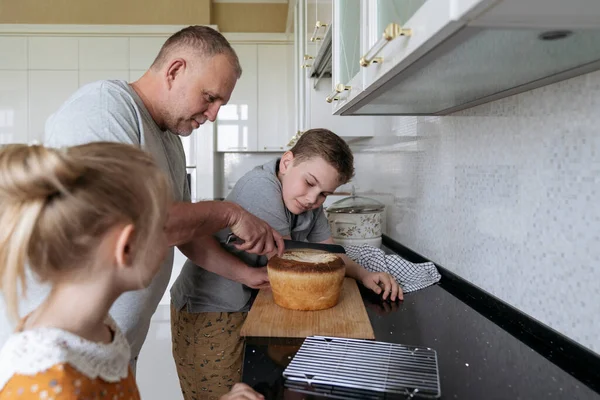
<point>391,32</point>
<point>236,148</point>
<point>274,147</point>
<point>294,139</point>
<point>307,57</point>
<point>339,88</point>
<point>306,66</point>
<point>314,37</point>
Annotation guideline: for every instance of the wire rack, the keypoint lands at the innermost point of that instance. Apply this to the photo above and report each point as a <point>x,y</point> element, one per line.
<point>352,368</point>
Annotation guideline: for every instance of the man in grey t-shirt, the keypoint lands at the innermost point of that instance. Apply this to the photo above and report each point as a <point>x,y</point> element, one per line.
<point>192,76</point>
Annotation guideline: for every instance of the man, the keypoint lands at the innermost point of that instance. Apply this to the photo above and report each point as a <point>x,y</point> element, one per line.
<point>190,79</point>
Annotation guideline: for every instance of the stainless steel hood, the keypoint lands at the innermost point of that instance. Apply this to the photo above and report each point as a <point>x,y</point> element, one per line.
<point>480,65</point>
<point>510,48</point>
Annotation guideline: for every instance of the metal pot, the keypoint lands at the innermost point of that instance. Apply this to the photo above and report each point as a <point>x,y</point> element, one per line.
<point>355,217</point>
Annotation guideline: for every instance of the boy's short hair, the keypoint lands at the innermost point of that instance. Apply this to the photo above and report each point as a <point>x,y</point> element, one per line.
<point>330,147</point>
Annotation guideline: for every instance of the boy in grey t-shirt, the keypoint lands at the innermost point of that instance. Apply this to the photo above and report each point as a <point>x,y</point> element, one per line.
<point>288,193</point>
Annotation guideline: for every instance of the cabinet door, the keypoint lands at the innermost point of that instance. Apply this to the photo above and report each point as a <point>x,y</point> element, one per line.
<point>381,14</point>
<point>275,75</point>
<point>13,107</point>
<point>103,53</point>
<point>347,46</point>
<point>318,20</point>
<point>237,128</point>
<point>48,90</point>
<point>346,127</point>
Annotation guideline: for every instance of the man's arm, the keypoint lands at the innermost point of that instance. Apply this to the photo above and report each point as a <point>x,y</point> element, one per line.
<point>206,251</point>
<point>187,221</point>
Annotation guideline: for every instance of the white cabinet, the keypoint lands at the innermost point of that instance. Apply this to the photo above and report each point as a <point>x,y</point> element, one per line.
<point>313,111</point>
<point>318,21</point>
<point>104,53</point>
<point>237,121</point>
<point>143,51</point>
<point>48,90</point>
<point>435,57</point>
<point>53,53</point>
<point>13,107</point>
<point>275,101</point>
<point>259,117</point>
<point>13,52</point>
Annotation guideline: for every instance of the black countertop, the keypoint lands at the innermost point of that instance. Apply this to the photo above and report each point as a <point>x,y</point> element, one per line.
<point>477,358</point>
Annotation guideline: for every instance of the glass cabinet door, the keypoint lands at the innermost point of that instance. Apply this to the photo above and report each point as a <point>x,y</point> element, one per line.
<point>385,12</point>
<point>348,28</point>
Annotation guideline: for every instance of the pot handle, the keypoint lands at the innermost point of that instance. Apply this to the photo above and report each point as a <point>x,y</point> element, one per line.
<point>342,222</point>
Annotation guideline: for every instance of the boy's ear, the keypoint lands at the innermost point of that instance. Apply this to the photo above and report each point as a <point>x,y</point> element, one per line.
<point>123,248</point>
<point>287,159</point>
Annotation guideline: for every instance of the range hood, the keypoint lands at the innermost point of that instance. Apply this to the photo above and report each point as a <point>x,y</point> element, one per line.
<point>510,47</point>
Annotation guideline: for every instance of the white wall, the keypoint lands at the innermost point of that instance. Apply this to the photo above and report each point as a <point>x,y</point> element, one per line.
<point>506,196</point>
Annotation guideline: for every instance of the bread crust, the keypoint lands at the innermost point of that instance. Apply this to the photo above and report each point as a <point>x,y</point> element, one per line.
<point>306,280</point>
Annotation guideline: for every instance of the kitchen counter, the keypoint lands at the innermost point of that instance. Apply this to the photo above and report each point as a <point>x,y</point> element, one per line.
<point>477,359</point>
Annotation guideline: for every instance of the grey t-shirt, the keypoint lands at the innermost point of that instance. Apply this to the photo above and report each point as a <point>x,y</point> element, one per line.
<point>112,111</point>
<point>260,193</point>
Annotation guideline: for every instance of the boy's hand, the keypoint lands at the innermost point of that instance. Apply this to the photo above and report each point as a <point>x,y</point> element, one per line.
<point>256,278</point>
<point>241,391</point>
<point>383,283</point>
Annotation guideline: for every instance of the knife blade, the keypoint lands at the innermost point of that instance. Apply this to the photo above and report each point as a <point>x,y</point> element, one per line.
<point>296,245</point>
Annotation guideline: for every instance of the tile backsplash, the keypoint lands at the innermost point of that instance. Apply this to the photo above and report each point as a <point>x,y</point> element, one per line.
<point>505,195</point>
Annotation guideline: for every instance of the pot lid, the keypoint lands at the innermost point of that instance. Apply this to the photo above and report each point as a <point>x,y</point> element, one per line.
<point>356,205</point>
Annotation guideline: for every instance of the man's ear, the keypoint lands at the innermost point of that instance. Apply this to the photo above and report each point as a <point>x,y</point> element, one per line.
<point>175,69</point>
<point>123,248</point>
<point>287,159</point>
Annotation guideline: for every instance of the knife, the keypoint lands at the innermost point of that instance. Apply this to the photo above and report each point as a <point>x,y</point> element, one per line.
<point>296,245</point>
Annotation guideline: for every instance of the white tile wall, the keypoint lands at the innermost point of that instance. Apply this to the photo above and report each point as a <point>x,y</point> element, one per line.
<point>506,196</point>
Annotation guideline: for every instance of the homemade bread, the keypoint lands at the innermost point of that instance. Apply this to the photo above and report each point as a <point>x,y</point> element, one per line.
<point>306,279</point>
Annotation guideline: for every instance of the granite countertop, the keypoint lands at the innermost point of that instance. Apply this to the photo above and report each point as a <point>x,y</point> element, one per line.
<point>477,359</point>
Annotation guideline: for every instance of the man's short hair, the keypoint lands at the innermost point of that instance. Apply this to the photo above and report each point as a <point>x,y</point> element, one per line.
<point>206,41</point>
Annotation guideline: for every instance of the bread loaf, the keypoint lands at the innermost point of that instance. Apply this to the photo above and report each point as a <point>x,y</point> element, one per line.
<point>306,279</point>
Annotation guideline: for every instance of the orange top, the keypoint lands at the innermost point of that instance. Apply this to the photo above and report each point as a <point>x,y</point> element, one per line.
<point>62,381</point>
<point>49,363</point>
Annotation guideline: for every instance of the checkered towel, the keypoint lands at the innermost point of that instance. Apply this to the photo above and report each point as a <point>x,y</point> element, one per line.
<point>409,275</point>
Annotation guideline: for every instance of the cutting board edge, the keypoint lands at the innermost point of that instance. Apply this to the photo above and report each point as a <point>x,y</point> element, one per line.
<point>368,332</point>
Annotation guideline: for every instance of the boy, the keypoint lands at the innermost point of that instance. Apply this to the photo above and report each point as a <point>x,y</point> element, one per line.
<point>207,310</point>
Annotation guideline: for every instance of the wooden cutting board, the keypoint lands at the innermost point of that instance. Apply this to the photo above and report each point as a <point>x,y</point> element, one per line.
<point>347,319</point>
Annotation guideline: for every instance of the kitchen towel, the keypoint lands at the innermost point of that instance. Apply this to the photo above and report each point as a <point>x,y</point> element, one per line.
<point>411,276</point>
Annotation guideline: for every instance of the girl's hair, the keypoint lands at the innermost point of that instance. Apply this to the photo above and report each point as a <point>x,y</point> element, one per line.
<point>56,205</point>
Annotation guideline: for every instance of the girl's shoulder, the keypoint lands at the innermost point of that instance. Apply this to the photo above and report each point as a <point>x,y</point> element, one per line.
<point>32,352</point>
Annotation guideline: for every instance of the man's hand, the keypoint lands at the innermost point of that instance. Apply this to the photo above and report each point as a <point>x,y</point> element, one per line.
<point>241,391</point>
<point>258,236</point>
<point>256,278</point>
<point>384,284</point>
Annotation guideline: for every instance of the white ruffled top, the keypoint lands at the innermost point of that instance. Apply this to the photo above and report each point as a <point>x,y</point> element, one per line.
<point>36,350</point>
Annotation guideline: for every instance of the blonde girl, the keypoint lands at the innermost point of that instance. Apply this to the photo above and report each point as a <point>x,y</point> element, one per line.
<point>88,220</point>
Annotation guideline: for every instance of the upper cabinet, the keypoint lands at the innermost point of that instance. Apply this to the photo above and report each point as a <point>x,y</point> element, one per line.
<point>237,121</point>
<point>434,57</point>
<point>312,38</point>
<point>259,116</point>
